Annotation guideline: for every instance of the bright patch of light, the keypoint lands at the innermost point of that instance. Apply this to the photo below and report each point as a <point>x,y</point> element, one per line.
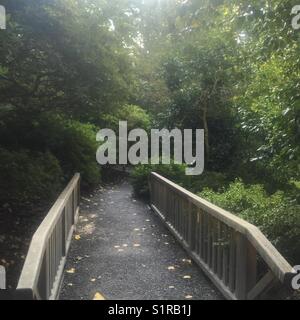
<point>112,25</point>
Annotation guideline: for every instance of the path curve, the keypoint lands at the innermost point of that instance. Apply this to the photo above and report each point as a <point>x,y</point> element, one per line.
<point>122,251</point>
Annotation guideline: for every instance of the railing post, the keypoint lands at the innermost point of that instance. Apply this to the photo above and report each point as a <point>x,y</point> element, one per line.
<point>150,189</point>
<point>79,191</point>
<point>64,233</point>
<point>192,226</point>
<point>241,266</point>
<point>251,266</point>
<point>2,278</point>
<point>232,261</point>
<point>220,250</point>
<point>73,207</point>
<point>43,285</point>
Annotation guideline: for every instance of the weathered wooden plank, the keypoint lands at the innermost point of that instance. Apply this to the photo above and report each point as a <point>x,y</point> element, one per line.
<point>241,267</point>
<point>232,262</point>
<point>225,266</point>
<point>226,246</point>
<point>192,227</point>
<point>200,234</point>
<point>261,286</point>
<point>2,278</point>
<point>215,248</point>
<point>251,266</point>
<point>220,251</point>
<point>205,238</point>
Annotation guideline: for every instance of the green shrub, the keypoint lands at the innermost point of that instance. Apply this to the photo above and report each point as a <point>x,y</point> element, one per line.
<point>140,176</point>
<point>209,179</point>
<point>277,216</point>
<point>74,144</point>
<point>26,177</point>
<point>71,142</point>
<point>135,116</point>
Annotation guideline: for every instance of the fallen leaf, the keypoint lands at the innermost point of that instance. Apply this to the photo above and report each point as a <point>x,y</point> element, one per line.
<point>93,280</point>
<point>98,296</point>
<point>77,237</point>
<point>171,268</point>
<point>187,261</point>
<point>72,270</point>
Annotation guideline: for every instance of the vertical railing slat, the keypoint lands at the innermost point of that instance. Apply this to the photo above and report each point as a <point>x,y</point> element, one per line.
<point>241,267</point>
<point>214,248</point>
<point>220,250</point>
<point>232,261</point>
<point>251,267</point>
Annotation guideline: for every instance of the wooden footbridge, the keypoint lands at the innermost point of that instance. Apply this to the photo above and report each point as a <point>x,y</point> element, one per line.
<point>238,259</point>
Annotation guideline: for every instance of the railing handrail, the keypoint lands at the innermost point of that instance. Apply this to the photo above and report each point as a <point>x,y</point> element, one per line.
<point>281,269</point>
<point>33,263</point>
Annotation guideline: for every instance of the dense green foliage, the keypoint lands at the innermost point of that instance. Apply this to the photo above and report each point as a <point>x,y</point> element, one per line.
<point>135,116</point>
<point>71,142</point>
<point>230,67</point>
<point>62,70</point>
<point>140,176</point>
<point>28,177</point>
<point>276,215</point>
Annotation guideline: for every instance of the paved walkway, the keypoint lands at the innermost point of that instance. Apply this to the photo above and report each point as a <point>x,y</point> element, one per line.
<point>122,251</point>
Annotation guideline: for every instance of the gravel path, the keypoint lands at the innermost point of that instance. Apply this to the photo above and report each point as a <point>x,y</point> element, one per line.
<point>122,251</point>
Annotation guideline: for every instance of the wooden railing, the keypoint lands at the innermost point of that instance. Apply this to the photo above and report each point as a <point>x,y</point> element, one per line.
<point>234,254</point>
<point>2,278</point>
<point>43,269</point>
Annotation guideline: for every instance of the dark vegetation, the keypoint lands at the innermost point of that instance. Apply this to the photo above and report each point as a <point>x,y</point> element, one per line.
<point>69,68</point>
